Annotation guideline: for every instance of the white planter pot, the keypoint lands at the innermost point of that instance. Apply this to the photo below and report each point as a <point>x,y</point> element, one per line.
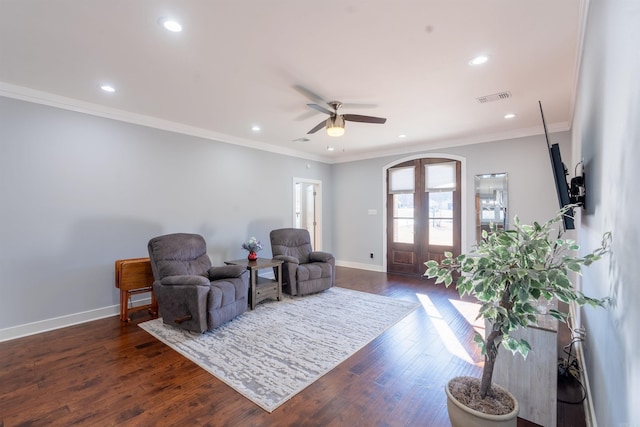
<point>463,416</point>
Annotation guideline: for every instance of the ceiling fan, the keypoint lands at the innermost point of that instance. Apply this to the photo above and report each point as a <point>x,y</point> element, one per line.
<point>335,122</point>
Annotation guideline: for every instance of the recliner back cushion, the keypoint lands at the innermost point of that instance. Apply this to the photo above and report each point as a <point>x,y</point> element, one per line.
<point>178,255</point>
<point>293,242</point>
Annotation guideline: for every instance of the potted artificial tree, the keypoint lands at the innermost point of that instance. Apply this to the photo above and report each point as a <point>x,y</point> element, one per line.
<point>508,272</point>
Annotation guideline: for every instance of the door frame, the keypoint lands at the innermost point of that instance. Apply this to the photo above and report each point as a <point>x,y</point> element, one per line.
<point>318,206</point>
<point>463,196</point>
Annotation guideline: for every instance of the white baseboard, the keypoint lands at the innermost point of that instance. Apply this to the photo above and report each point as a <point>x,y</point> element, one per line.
<point>27,329</point>
<point>359,266</point>
<point>589,410</point>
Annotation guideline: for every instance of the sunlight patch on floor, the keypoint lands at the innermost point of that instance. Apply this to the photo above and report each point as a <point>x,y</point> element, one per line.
<point>469,310</point>
<point>447,336</point>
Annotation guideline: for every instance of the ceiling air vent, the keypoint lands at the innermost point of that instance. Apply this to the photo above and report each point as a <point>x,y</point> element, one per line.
<point>495,97</point>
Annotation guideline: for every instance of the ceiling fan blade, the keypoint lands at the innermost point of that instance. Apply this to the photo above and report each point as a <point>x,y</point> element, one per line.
<point>356,105</point>
<point>363,119</point>
<point>321,109</point>
<point>310,94</point>
<point>318,127</point>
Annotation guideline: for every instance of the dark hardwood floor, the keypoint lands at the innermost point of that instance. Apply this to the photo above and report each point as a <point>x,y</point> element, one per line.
<point>105,373</point>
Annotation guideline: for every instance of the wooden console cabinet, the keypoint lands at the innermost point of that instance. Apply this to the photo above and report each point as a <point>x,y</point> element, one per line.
<point>534,380</point>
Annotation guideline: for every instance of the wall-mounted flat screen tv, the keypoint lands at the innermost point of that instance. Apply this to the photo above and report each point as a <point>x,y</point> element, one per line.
<point>559,176</point>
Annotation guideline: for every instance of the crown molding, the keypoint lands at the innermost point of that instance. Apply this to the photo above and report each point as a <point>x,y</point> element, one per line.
<point>449,143</point>
<point>22,93</point>
<point>44,98</point>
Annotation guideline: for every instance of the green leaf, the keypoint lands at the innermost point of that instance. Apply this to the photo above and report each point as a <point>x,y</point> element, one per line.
<point>431,264</point>
<point>479,340</point>
<point>558,315</point>
<point>523,295</point>
<point>523,348</point>
<point>448,280</point>
<point>562,281</point>
<point>573,266</point>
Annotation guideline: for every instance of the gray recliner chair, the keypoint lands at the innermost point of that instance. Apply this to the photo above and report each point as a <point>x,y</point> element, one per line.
<point>304,270</point>
<point>192,294</point>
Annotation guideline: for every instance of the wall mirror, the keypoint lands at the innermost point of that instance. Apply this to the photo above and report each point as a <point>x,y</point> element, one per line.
<point>492,198</point>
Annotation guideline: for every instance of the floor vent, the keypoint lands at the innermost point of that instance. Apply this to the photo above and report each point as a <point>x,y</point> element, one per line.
<point>495,97</point>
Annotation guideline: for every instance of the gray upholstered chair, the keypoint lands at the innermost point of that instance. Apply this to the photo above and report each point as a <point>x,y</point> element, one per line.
<point>192,294</point>
<point>304,271</point>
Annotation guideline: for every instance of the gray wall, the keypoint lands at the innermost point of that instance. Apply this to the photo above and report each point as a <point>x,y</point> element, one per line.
<point>78,192</point>
<point>607,135</point>
<point>359,188</point>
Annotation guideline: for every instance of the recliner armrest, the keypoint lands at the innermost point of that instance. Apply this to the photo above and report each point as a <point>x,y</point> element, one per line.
<point>287,258</point>
<point>187,280</point>
<point>226,272</point>
<point>318,256</point>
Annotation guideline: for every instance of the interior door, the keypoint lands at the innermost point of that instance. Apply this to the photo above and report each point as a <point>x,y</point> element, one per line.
<point>310,210</point>
<point>423,213</point>
<point>307,208</point>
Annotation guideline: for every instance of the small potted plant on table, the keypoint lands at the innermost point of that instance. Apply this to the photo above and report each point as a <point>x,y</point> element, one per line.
<point>508,272</point>
<point>253,246</point>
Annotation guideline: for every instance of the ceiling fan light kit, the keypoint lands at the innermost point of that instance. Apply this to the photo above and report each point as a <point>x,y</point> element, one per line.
<point>335,126</point>
<point>335,122</point>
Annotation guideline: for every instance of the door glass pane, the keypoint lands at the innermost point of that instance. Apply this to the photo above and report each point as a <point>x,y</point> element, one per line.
<point>440,176</point>
<point>441,205</point>
<point>441,218</point>
<point>403,231</point>
<point>403,222</point>
<point>441,232</point>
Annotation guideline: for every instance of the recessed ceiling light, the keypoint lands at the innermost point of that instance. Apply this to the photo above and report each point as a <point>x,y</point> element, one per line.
<point>108,88</point>
<point>509,116</point>
<point>255,128</point>
<point>402,136</point>
<point>171,25</point>
<point>478,60</point>
<point>330,148</point>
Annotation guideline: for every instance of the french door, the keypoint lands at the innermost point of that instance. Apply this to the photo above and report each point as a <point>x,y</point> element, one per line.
<point>423,213</point>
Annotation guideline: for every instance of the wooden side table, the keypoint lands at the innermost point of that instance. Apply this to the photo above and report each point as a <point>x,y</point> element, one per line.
<point>261,288</point>
<point>134,276</point>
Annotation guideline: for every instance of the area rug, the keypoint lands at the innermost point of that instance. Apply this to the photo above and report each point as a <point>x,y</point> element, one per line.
<point>273,352</point>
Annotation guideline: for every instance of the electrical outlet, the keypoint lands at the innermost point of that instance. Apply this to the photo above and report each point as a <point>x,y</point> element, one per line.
<point>371,255</point>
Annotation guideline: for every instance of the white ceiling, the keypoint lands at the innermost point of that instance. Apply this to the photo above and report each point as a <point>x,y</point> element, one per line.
<point>241,63</point>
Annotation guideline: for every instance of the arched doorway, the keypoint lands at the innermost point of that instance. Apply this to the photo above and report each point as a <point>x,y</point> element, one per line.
<point>424,212</point>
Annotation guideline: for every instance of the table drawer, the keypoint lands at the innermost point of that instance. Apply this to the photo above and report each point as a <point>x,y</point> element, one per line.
<point>267,290</point>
